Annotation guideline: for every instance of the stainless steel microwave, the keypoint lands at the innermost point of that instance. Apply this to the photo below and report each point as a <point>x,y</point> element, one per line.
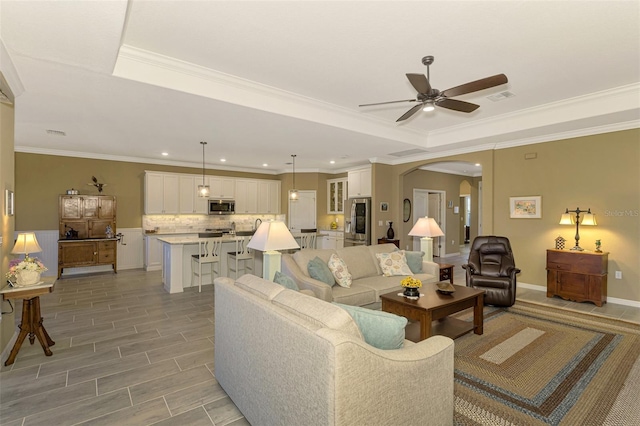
<point>222,207</point>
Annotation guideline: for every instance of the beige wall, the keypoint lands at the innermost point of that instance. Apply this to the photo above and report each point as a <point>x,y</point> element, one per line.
<point>41,178</point>
<point>601,172</point>
<point>7,326</point>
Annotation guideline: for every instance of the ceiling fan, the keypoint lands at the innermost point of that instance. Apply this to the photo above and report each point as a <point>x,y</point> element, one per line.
<point>429,97</point>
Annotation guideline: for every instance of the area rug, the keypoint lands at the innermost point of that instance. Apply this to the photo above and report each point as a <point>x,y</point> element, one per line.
<point>538,365</point>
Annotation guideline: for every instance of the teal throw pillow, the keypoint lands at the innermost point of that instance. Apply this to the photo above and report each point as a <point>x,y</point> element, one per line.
<point>285,281</point>
<point>414,260</point>
<point>380,329</point>
<point>320,271</point>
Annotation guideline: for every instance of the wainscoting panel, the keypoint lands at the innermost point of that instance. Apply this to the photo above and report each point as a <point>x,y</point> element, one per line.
<point>130,252</point>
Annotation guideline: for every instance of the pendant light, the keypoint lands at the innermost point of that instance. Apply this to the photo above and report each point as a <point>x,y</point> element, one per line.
<point>293,194</point>
<point>203,190</point>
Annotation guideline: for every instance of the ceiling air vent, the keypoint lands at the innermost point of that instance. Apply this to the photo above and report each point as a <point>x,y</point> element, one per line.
<point>408,152</point>
<point>501,96</point>
<point>56,133</point>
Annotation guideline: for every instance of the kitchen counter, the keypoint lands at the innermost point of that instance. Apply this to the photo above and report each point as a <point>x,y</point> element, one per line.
<point>176,258</point>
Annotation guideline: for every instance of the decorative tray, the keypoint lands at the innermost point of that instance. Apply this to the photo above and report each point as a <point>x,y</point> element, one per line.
<point>445,287</point>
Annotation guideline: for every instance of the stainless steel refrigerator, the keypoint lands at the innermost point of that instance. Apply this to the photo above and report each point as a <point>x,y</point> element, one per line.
<point>357,223</point>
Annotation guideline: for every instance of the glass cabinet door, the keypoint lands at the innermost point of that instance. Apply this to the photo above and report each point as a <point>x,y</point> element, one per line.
<point>336,191</point>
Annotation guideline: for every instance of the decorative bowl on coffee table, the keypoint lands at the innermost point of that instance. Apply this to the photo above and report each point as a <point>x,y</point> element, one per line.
<point>445,287</point>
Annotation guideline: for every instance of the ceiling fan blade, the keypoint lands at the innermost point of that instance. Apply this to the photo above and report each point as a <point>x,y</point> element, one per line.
<point>457,105</point>
<point>474,86</point>
<point>409,113</point>
<point>420,83</point>
<point>390,102</point>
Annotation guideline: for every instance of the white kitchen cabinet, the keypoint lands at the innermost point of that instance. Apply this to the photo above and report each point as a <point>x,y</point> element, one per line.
<point>152,253</point>
<point>246,196</point>
<point>161,193</point>
<point>359,183</point>
<point>190,200</point>
<point>187,195</point>
<point>332,240</point>
<point>269,196</point>
<point>336,195</point>
<point>222,187</point>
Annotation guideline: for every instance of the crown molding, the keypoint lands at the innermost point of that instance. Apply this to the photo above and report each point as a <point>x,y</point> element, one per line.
<point>8,70</point>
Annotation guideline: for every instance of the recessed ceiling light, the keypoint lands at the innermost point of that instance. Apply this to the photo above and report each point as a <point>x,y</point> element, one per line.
<point>165,153</point>
<point>223,159</point>
<point>478,164</point>
<point>332,162</point>
<point>264,165</point>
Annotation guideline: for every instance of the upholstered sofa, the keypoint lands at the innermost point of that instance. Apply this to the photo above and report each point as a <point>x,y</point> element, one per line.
<point>368,281</point>
<point>286,358</point>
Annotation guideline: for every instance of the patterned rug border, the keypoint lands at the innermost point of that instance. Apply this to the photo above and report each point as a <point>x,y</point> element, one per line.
<point>612,357</point>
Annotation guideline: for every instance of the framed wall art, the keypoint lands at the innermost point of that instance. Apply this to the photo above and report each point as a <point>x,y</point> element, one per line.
<point>384,207</point>
<point>525,207</point>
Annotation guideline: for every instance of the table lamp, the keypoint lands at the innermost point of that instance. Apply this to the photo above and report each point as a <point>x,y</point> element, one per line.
<point>426,227</point>
<point>588,219</point>
<point>26,243</point>
<point>269,237</point>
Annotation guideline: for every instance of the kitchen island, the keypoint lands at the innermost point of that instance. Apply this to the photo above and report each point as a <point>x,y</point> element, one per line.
<point>176,259</point>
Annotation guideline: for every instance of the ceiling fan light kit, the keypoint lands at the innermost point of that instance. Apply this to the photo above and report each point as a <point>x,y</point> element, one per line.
<point>428,98</point>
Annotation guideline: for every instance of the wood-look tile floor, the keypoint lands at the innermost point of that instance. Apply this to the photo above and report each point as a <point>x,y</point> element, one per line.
<point>126,353</point>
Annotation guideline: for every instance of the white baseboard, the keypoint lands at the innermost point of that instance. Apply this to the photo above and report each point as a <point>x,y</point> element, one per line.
<point>614,300</point>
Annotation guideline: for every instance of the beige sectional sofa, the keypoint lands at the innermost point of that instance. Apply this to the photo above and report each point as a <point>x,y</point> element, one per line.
<point>286,358</point>
<point>368,281</point>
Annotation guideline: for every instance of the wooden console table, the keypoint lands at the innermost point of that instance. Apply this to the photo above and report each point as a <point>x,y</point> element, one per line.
<point>386,241</point>
<point>31,318</point>
<point>580,276</point>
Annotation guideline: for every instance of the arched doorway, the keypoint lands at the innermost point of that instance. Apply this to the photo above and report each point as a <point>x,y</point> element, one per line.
<point>438,186</point>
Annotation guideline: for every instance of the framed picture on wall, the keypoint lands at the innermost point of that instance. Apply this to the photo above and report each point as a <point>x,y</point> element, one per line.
<point>9,206</point>
<point>384,207</point>
<point>525,207</point>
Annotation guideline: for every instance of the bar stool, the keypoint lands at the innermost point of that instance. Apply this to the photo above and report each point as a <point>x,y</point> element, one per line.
<point>242,258</point>
<point>308,241</point>
<point>208,254</point>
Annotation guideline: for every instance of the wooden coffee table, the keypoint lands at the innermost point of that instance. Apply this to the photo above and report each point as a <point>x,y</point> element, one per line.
<point>433,309</point>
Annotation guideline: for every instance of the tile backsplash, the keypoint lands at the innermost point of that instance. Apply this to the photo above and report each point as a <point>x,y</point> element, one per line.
<point>179,224</point>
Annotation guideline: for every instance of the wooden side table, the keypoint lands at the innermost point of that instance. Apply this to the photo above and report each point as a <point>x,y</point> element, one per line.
<point>31,318</point>
<point>446,272</point>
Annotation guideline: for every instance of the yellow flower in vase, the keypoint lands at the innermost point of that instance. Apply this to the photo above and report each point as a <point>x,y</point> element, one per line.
<point>411,282</point>
<point>411,286</point>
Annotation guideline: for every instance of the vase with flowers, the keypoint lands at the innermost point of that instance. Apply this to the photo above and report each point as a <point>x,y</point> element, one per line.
<point>411,287</point>
<point>27,271</point>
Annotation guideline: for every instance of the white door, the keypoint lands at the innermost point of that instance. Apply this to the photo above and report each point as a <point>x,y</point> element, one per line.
<point>434,208</point>
<point>420,205</point>
<point>429,203</point>
<point>302,213</point>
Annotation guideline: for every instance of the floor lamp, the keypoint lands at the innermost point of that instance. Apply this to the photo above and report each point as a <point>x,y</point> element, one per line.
<point>269,237</point>
<point>426,227</point>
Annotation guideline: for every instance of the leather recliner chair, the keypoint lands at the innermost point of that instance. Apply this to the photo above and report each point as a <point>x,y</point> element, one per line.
<point>491,268</point>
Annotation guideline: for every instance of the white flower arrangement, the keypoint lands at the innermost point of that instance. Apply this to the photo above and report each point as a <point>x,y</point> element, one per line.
<point>27,264</point>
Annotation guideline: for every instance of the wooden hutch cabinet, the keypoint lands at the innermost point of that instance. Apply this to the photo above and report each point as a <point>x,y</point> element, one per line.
<point>83,231</point>
<point>580,276</point>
